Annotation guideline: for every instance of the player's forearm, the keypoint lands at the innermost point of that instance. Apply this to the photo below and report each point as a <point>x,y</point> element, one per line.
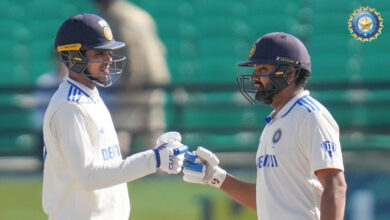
<point>242,192</point>
<point>333,203</point>
<point>96,176</point>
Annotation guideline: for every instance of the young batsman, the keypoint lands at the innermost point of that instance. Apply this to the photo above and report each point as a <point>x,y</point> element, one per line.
<point>299,161</point>
<point>84,173</point>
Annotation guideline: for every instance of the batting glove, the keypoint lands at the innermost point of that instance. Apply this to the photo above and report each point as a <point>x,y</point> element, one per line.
<point>201,166</point>
<point>169,153</point>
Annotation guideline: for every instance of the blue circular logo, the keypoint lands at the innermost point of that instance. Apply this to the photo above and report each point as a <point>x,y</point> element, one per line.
<point>277,136</point>
<point>365,24</point>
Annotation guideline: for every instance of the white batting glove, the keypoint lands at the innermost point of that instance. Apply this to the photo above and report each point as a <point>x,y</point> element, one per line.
<point>201,166</point>
<point>169,153</point>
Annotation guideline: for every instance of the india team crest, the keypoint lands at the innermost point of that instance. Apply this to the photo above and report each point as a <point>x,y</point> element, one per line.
<point>277,136</point>
<point>106,29</point>
<point>365,24</point>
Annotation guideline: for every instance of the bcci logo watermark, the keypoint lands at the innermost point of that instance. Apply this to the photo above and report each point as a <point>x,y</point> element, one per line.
<point>365,24</point>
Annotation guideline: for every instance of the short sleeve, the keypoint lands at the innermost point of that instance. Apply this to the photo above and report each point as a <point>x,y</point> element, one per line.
<point>320,140</point>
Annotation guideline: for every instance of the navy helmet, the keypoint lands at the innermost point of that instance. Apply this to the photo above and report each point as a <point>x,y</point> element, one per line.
<point>83,32</point>
<point>282,50</point>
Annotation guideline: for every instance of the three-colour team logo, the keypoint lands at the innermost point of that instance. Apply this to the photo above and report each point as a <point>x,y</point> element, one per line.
<point>365,24</point>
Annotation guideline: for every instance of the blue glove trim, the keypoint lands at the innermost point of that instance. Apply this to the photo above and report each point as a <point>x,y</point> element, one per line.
<point>182,149</point>
<point>194,167</point>
<point>190,157</point>
<point>158,162</point>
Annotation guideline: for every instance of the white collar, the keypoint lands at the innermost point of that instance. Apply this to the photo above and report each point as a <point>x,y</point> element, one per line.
<point>287,107</point>
<point>92,93</point>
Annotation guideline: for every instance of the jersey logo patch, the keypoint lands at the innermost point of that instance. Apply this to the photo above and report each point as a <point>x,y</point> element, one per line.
<point>329,147</point>
<point>277,136</point>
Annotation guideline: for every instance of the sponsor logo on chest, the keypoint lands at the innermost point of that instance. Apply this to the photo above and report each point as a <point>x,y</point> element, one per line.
<point>110,152</point>
<point>267,160</point>
<point>270,160</point>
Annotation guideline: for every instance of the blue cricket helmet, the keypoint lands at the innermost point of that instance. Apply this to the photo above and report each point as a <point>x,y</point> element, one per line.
<point>272,46</point>
<point>88,30</point>
<point>83,32</point>
<point>282,50</point>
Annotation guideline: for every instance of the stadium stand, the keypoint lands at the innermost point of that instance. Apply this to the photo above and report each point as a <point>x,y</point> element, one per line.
<point>205,42</point>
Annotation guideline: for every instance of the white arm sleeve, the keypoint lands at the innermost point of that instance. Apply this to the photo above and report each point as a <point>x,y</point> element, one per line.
<point>70,126</point>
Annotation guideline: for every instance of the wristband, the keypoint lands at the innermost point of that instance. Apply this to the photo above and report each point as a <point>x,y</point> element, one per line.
<point>158,162</point>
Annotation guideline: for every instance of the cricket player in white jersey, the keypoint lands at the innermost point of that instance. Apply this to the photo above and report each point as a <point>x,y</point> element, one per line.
<point>299,161</point>
<point>84,173</point>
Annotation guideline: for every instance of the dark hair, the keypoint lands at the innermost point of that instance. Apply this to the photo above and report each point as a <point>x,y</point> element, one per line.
<point>302,78</point>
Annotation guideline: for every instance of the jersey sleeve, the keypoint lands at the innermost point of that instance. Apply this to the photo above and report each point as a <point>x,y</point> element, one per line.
<point>69,125</point>
<point>320,140</point>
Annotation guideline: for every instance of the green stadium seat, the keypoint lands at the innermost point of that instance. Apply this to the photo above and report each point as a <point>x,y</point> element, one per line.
<point>330,43</point>
<point>265,23</point>
<point>259,9</point>
<point>353,109</point>
<point>8,28</point>
<point>19,144</point>
<point>12,11</point>
<point>375,66</point>
<point>182,70</point>
<point>218,69</point>
<point>341,6</point>
<point>330,67</point>
<point>330,22</point>
<point>8,48</point>
<point>167,8</point>
<point>380,45</point>
<point>224,142</point>
<point>173,28</point>
<point>230,8</point>
<point>17,72</point>
<point>221,26</point>
<point>47,9</point>
<point>44,29</point>
<point>360,141</point>
<point>180,48</point>
<point>221,115</point>
<point>222,46</point>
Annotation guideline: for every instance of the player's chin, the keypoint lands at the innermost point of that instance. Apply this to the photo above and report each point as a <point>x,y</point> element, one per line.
<point>102,78</point>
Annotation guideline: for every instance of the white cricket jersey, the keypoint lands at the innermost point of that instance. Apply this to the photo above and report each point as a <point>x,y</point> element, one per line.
<point>84,173</point>
<point>301,138</point>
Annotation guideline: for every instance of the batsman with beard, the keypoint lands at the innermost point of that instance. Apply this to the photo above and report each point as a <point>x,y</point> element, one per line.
<point>299,160</point>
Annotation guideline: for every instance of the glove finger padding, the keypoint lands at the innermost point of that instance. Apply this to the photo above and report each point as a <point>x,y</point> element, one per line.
<point>194,171</point>
<point>207,156</point>
<point>179,160</point>
<point>193,176</point>
<point>203,168</point>
<point>192,158</point>
<point>168,137</point>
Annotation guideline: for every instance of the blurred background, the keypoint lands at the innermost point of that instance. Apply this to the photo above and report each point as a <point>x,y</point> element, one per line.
<point>204,41</point>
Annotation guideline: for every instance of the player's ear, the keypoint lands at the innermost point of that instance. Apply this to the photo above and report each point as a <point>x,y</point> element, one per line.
<point>291,74</point>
